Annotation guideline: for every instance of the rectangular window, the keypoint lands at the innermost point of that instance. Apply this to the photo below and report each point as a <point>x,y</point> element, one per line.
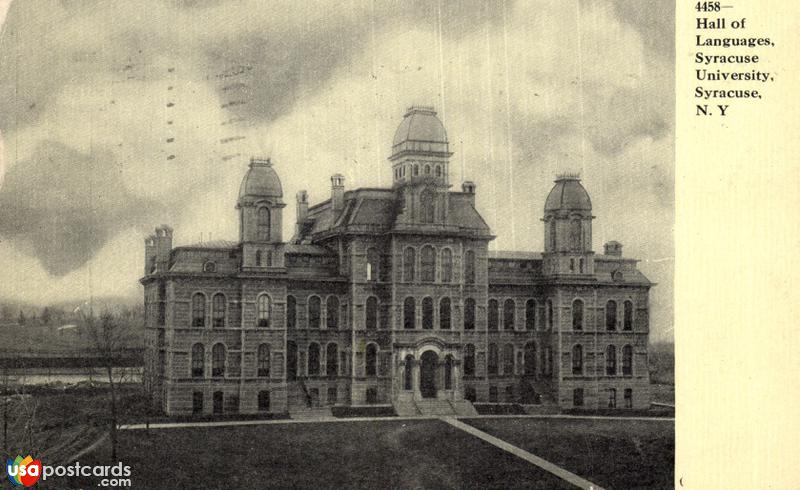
<point>197,402</point>
<point>612,398</point>
<point>577,397</point>
<point>628,398</point>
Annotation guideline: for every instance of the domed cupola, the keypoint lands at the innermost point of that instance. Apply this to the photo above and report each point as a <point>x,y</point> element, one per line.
<point>260,182</point>
<point>568,228</point>
<point>568,195</point>
<point>420,150</point>
<point>260,207</point>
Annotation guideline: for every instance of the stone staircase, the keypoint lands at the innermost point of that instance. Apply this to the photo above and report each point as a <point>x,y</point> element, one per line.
<point>405,409</point>
<point>322,413</point>
<point>464,408</point>
<point>435,407</point>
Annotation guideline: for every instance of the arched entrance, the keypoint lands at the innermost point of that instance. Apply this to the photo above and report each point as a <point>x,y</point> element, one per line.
<point>427,375</point>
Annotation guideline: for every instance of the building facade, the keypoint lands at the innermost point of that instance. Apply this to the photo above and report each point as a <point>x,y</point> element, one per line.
<point>392,296</point>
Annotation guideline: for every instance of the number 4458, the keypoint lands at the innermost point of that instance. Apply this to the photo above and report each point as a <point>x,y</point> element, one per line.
<point>707,7</point>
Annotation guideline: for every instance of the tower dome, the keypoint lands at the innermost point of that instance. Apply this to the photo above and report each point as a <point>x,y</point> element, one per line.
<point>260,181</point>
<point>420,131</point>
<point>568,195</point>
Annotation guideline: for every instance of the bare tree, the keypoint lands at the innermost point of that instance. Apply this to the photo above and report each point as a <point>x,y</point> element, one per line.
<point>109,336</point>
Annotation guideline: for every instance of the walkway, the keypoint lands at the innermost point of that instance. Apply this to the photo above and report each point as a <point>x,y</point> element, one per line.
<point>521,453</point>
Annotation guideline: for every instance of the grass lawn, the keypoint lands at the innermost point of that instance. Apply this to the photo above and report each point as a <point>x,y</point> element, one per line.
<point>611,453</point>
<point>380,454</point>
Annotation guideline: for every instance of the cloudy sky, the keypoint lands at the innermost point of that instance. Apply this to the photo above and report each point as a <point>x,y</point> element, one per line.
<point>117,116</point>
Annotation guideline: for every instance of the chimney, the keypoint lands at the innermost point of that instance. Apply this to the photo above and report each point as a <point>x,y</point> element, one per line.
<point>149,254</point>
<point>613,248</point>
<point>337,192</point>
<point>163,247</point>
<point>302,210</point>
<point>468,187</point>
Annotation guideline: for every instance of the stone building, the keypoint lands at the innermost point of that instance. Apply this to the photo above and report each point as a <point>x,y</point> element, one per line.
<point>392,296</point>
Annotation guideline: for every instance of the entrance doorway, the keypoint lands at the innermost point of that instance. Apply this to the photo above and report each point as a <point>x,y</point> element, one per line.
<point>427,375</point>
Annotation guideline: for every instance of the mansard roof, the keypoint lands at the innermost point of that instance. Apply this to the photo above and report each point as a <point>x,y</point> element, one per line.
<point>376,211</point>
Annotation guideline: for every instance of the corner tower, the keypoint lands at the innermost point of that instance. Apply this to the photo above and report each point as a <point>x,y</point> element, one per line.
<point>260,206</point>
<point>420,166</point>
<point>568,228</point>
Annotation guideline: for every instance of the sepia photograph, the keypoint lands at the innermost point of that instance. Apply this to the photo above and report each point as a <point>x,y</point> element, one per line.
<point>356,244</point>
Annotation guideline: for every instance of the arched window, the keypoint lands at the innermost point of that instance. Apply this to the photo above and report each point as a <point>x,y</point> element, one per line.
<point>508,359</point>
<point>427,207</point>
<point>508,314</point>
<point>493,394</point>
<point>469,360</point>
<point>550,316</point>
<point>372,313</point>
<point>438,171</point>
<point>409,313</point>
<point>427,169</point>
<point>218,361</point>
<point>416,170</point>
<point>471,394</point>
<point>628,398</point>
<point>313,359</point>
<point>427,313</point>
<point>198,360</point>
<point>407,372</point>
<point>291,360</point>
<point>219,305</point>
<point>493,312</point>
<point>448,372</point>
<point>628,316</point>
<point>269,258</point>
<point>291,312</point>
<point>198,310</point>
<point>409,259</point>
<point>263,224</point>
<point>611,360</point>
<point>530,314</point>
<point>582,265</point>
<point>444,314</point>
<point>332,310</point>
<point>263,401</point>
<point>332,359</point>
<point>552,234</point>
<point>372,360</point>
<point>259,262</point>
<point>469,267</point>
<point>314,313</point>
<point>428,264</point>
<point>577,360</point>
<point>611,315</point>
<point>627,360</point>
<point>530,358</point>
<point>469,314</point>
<point>493,361</point>
<point>577,315</point>
<point>447,265</point>
<point>373,259</point>
<point>263,310</point>
<point>263,360</point>
<point>575,234</point>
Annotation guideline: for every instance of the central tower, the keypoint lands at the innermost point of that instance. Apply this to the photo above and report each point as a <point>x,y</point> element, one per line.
<point>420,166</point>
